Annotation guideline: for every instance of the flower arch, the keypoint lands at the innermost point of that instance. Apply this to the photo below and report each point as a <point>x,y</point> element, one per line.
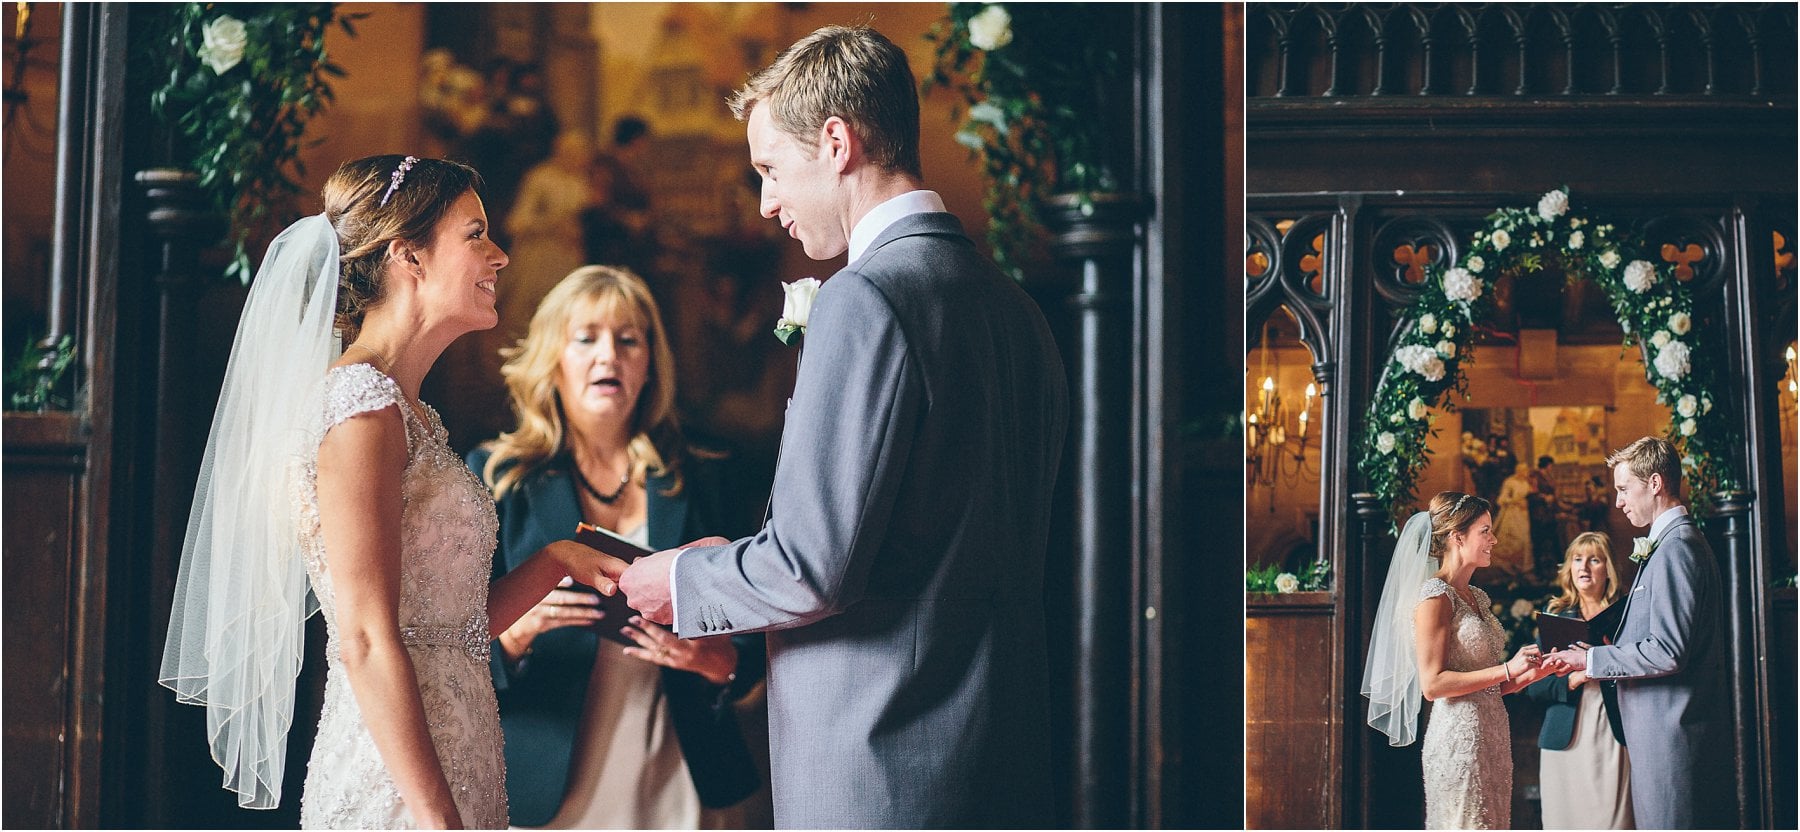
<point>1655,309</point>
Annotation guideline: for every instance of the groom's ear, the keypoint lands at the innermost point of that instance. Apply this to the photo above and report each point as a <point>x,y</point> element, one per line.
<point>840,143</point>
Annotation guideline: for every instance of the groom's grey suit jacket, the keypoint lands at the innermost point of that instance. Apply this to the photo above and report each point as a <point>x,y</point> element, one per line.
<point>1670,661</point>
<point>900,574</point>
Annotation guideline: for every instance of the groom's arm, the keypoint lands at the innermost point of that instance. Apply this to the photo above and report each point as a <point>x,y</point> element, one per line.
<point>1680,592</point>
<point>844,451</point>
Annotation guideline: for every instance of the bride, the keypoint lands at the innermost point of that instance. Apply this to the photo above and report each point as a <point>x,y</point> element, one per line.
<point>325,468</point>
<point>1436,636</point>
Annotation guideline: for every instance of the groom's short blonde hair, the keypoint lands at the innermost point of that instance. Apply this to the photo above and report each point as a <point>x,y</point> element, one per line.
<point>852,72</point>
<point>1651,455</point>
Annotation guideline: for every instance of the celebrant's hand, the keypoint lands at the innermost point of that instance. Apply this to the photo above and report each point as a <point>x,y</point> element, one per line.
<point>714,658</point>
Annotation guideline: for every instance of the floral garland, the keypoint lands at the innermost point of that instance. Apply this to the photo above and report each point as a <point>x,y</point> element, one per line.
<point>239,83</point>
<point>1646,297</point>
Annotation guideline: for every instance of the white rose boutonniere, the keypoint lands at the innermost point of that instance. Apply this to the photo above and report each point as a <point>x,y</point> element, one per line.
<point>224,39</point>
<point>991,29</point>
<point>1287,582</point>
<point>796,308</point>
<point>1641,547</point>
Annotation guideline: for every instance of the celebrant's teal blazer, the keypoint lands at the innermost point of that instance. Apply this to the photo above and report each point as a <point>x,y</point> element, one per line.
<point>541,697</point>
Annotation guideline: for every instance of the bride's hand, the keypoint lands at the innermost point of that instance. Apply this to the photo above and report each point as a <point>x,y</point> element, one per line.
<point>1524,662</point>
<point>589,566</point>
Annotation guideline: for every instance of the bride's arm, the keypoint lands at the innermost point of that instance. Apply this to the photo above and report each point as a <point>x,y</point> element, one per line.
<point>359,516</point>
<point>1431,638</point>
<point>513,594</point>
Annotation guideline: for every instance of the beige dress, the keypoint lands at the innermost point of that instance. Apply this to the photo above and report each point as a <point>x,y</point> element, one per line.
<point>1588,784</point>
<point>1467,753</point>
<point>628,772</point>
<point>448,528</point>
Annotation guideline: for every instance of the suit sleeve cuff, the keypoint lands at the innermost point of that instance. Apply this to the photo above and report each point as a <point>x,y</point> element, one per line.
<point>674,598</point>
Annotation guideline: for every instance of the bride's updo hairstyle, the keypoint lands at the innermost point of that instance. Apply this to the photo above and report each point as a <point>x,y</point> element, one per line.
<point>1453,511</point>
<point>378,199</point>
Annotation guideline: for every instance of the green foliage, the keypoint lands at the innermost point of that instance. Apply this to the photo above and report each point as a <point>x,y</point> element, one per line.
<point>29,389</point>
<point>1521,240</point>
<point>1314,577</point>
<point>1032,111</point>
<point>244,125</point>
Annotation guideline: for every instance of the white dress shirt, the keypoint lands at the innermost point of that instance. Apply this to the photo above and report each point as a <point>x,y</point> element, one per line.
<point>1664,519</point>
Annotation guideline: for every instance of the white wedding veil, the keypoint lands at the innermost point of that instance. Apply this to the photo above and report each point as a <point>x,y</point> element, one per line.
<point>1391,674</point>
<point>235,630</point>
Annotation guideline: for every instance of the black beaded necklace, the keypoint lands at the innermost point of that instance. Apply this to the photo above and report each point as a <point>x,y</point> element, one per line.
<point>606,499</point>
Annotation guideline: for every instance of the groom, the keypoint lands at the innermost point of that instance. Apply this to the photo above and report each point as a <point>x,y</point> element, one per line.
<point>900,573</point>
<point>1669,656</point>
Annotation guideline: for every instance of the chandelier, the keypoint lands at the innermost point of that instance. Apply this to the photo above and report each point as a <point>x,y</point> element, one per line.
<point>1276,434</point>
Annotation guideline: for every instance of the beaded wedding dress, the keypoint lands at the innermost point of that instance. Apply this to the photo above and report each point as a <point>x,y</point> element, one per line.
<point>448,528</point>
<point>1467,754</point>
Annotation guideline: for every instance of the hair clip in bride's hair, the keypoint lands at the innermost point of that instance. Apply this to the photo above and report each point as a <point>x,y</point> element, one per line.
<point>398,177</point>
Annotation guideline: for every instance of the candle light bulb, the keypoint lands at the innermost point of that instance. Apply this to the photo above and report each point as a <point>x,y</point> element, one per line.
<point>1312,391</point>
<point>1790,352</point>
<point>1268,384</point>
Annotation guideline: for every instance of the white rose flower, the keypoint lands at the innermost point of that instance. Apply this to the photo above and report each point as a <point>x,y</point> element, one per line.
<point>1609,258</point>
<point>1660,339</point>
<point>1705,404</point>
<point>1680,323</point>
<point>1475,264</point>
<point>1672,360</point>
<point>1553,204</point>
<point>1688,427</point>
<point>796,308</point>
<point>1576,239</point>
<point>1641,547</point>
<point>1287,582</point>
<point>1384,442</point>
<point>1449,330</point>
<point>1639,276</point>
<point>1687,406</point>
<point>1521,608</point>
<point>1432,369</point>
<point>1501,239</point>
<point>1446,348</point>
<point>1415,409</point>
<point>223,42</point>
<point>1462,286</point>
<point>1422,360</point>
<point>991,29</point>
<point>1428,323</point>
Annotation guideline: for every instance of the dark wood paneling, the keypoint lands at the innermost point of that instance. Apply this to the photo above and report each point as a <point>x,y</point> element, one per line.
<point>1291,721</point>
<point>42,470</point>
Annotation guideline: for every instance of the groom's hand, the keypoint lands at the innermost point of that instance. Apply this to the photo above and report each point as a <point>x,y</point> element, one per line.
<point>1567,660</point>
<point>646,582</point>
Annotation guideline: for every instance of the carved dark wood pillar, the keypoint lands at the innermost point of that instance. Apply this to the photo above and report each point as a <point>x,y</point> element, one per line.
<point>1372,525</point>
<point>1731,522</point>
<point>1102,242</point>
